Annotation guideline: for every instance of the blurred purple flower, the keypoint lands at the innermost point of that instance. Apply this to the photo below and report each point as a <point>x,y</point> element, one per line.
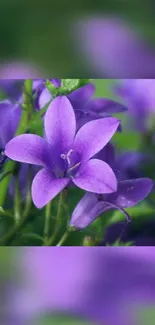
<point>112,48</point>
<point>10,115</point>
<point>64,155</point>
<point>140,234</point>
<point>106,285</point>
<point>16,70</point>
<point>13,75</point>
<point>139,96</point>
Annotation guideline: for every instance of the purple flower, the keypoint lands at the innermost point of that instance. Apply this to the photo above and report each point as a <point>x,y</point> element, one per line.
<point>110,286</point>
<point>139,233</point>
<point>64,155</point>
<point>129,193</point>
<point>85,106</point>
<point>139,96</point>
<point>9,120</point>
<point>112,48</point>
<point>18,70</point>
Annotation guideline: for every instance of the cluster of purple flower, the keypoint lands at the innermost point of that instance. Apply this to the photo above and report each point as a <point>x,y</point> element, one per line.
<point>75,149</point>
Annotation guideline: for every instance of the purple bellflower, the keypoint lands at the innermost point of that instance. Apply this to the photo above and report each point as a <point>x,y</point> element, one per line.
<point>113,48</point>
<point>64,155</point>
<point>85,106</point>
<point>139,96</point>
<point>129,192</point>
<point>110,286</point>
<point>10,116</point>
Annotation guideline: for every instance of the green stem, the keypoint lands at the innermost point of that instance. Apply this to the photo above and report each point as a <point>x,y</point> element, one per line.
<point>7,239</point>
<point>47,223</point>
<point>58,220</point>
<point>10,165</point>
<point>28,203</point>
<point>17,202</point>
<point>63,239</point>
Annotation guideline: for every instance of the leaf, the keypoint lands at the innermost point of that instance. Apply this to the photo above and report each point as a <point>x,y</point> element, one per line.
<point>2,211</point>
<point>62,320</point>
<point>32,236</point>
<point>70,84</point>
<point>146,315</point>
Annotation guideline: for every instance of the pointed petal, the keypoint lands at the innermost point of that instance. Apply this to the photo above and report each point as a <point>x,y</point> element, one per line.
<point>105,106</point>
<point>96,176</point>
<point>130,192</point>
<point>86,211</point>
<point>60,124</point>
<point>45,187</point>
<point>82,95</point>
<point>44,98</point>
<point>94,135</point>
<point>117,207</point>
<point>28,148</point>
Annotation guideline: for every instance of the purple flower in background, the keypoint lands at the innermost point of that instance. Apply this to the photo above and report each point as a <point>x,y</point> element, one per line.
<point>18,70</point>
<point>139,96</point>
<point>129,194</point>
<point>85,106</point>
<point>111,286</point>
<point>12,76</point>
<point>9,120</point>
<point>138,233</point>
<point>112,48</point>
<point>64,155</point>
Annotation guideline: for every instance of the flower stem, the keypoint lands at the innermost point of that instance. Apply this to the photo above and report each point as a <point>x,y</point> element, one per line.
<point>10,165</point>
<point>63,239</point>
<point>28,196</point>
<point>58,220</point>
<point>47,223</point>
<point>17,202</point>
<point>6,239</point>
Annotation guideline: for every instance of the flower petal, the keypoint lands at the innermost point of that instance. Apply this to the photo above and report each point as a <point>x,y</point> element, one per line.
<point>130,192</point>
<point>9,117</point>
<point>56,82</point>
<point>82,95</point>
<point>117,207</point>
<point>105,106</point>
<point>45,187</point>
<point>94,135</point>
<point>44,98</point>
<point>87,210</point>
<point>28,148</point>
<point>96,176</point>
<point>60,124</point>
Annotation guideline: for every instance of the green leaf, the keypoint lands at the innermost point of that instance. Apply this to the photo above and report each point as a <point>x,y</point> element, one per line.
<point>2,211</point>
<point>70,84</point>
<point>146,315</point>
<point>32,236</point>
<point>119,243</point>
<point>62,320</point>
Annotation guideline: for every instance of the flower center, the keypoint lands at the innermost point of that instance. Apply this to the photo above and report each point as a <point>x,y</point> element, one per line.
<point>71,163</point>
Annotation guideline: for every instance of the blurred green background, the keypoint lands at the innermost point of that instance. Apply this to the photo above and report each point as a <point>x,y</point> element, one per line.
<point>44,32</point>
